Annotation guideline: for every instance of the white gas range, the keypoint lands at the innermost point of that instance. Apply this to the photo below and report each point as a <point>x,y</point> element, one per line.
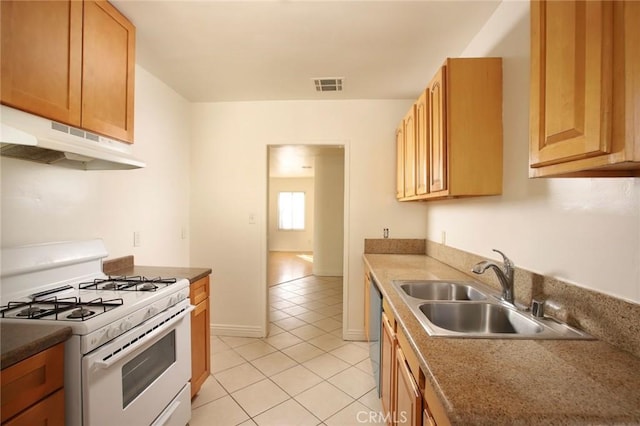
<point>128,360</point>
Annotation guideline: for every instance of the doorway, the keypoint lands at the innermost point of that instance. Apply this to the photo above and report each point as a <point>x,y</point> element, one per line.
<point>317,248</point>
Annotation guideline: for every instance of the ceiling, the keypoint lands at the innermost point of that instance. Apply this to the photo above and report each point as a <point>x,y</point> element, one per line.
<point>213,50</point>
<point>237,50</point>
<point>286,161</point>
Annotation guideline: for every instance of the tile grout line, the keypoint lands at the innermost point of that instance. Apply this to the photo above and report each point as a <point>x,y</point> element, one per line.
<point>325,296</point>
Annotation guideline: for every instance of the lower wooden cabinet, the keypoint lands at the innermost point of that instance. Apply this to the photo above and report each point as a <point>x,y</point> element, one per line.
<point>406,396</point>
<point>33,389</point>
<point>387,368</point>
<point>200,335</point>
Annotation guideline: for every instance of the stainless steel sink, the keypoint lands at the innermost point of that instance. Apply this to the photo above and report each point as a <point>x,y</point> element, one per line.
<point>473,310</point>
<point>440,290</point>
<point>478,318</point>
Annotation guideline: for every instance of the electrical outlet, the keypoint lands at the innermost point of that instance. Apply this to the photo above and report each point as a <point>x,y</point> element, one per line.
<point>443,238</point>
<point>136,239</point>
<point>252,219</point>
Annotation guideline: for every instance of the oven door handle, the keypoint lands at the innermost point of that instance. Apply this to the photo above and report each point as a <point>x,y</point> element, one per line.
<point>142,341</point>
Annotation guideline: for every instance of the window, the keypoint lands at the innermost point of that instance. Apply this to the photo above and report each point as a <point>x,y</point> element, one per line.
<point>291,211</point>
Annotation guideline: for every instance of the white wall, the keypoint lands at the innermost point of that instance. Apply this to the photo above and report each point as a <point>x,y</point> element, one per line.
<point>328,247</point>
<point>585,231</point>
<point>229,182</point>
<point>42,203</point>
<point>280,240</point>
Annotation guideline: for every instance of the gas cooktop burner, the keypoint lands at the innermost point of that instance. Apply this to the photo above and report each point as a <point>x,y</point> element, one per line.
<point>81,313</point>
<point>148,287</point>
<point>28,312</point>
<point>55,308</point>
<point>124,283</point>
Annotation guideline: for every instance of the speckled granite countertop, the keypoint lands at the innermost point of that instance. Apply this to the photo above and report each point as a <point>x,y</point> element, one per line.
<point>513,382</point>
<point>192,274</point>
<point>20,341</point>
<point>125,266</point>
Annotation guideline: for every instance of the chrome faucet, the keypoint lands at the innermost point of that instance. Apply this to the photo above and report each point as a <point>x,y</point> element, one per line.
<point>505,277</point>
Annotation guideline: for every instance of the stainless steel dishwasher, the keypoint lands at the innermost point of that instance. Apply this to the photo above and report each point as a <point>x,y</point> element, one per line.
<point>375,324</point>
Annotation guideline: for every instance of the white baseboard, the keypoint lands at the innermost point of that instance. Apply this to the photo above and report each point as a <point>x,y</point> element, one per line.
<point>236,330</point>
<point>354,335</point>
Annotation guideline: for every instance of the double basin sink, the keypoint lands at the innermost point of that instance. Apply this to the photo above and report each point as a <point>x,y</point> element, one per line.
<point>468,309</point>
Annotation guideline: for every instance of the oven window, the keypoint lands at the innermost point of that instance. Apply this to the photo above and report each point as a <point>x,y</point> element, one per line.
<point>141,371</point>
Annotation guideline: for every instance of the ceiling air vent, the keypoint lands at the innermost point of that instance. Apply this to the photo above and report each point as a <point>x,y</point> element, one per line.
<point>328,84</point>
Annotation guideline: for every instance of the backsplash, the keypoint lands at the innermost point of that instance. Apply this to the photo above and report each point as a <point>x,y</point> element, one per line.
<point>394,246</point>
<point>112,265</point>
<point>608,318</point>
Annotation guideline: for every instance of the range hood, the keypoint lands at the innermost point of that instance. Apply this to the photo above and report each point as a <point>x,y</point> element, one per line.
<point>29,137</point>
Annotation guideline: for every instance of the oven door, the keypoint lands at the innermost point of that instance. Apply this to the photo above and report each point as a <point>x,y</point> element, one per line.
<point>138,376</point>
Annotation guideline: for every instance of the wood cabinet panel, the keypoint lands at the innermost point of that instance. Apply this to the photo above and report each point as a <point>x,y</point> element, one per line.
<point>572,66</point>
<point>400,161</point>
<point>32,380</point>
<point>387,369</point>
<point>107,85</point>
<point>41,58</point>
<point>422,147</point>
<point>408,398</point>
<point>437,133</point>
<point>409,124</point>
<point>585,69</point>
<point>48,412</point>
<point>200,334</point>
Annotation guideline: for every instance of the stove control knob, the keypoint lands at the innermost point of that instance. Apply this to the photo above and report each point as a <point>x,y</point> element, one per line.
<point>151,311</point>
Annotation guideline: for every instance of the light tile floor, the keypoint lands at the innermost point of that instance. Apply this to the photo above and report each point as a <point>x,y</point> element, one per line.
<point>303,373</point>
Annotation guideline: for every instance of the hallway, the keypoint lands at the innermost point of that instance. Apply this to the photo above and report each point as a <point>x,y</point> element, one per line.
<point>303,373</point>
<point>284,266</point>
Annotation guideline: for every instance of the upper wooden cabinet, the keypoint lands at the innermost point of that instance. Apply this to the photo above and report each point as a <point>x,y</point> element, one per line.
<point>70,61</point>
<point>108,68</point>
<point>459,132</point>
<point>585,83</point>
<point>436,141</point>
<point>409,132</point>
<point>422,147</point>
<point>42,58</point>
<point>400,160</point>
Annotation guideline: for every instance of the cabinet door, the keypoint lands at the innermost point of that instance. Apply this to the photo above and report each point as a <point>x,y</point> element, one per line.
<point>410,153</point>
<point>41,58</point>
<point>437,133</point>
<point>387,368</point>
<point>200,337</point>
<point>571,80</point>
<point>422,157</point>
<point>400,161</point>
<point>108,71</point>
<point>408,399</point>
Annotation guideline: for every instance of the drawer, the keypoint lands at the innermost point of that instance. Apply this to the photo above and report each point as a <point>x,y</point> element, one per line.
<point>49,411</point>
<point>28,381</point>
<point>199,290</point>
